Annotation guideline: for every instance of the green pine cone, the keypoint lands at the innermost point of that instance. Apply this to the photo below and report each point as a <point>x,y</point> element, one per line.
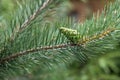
<point>71,34</point>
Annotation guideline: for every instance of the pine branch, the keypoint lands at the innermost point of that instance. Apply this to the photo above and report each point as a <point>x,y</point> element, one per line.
<point>61,46</point>
<point>96,38</point>
<point>28,21</point>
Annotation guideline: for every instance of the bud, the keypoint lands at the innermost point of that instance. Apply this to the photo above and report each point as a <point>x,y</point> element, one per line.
<point>71,34</point>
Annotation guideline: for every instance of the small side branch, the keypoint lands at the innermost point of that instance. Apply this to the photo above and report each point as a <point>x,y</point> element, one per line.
<point>32,17</point>
<point>99,36</point>
<point>28,21</point>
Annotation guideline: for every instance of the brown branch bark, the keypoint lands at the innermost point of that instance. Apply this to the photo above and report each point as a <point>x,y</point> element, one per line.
<point>15,55</point>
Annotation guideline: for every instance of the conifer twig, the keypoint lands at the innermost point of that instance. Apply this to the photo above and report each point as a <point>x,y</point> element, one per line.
<point>15,55</point>
<point>31,18</point>
<point>61,46</point>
